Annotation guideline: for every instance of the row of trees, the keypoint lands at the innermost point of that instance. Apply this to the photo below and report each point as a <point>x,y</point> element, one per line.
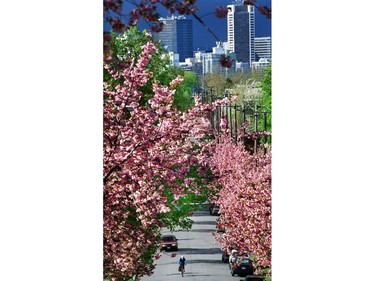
<point>154,163</point>
<point>243,190</point>
<point>243,180</point>
<point>158,151</point>
<point>158,159</point>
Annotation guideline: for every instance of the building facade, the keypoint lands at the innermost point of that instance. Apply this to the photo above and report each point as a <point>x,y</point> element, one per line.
<point>209,62</point>
<point>177,36</point>
<point>263,48</point>
<point>241,31</point>
<point>262,63</point>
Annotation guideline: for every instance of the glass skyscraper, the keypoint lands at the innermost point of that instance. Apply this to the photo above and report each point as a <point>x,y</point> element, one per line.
<point>241,32</point>
<point>177,36</point>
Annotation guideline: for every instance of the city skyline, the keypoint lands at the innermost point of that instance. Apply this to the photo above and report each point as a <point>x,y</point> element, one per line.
<point>240,42</point>
<point>202,39</point>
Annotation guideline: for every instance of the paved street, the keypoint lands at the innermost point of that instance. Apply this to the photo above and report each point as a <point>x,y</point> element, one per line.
<point>202,254</point>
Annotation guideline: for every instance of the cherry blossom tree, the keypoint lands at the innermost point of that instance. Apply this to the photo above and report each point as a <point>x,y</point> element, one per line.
<point>148,152</point>
<point>125,47</point>
<point>243,190</point>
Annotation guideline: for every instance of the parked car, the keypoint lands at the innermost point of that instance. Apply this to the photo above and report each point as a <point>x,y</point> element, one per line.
<point>210,207</point>
<point>253,278</point>
<point>214,211</point>
<point>242,267</point>
<point>219,225</point>
<point>169,242</point>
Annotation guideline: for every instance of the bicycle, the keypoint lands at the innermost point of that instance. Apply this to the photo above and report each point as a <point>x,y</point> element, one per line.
<point>182,262</point>
<point>181,268</point>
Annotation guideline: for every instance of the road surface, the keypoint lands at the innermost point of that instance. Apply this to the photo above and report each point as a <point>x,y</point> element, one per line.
<point>202,253</point>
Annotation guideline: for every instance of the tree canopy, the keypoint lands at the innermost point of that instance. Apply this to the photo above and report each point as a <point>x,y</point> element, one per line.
<point>149,150</point>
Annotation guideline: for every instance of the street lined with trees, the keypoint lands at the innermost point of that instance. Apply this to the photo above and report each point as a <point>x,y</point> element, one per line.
<point>162,157</point>
<point>148,153</point>
<point>199,247</point>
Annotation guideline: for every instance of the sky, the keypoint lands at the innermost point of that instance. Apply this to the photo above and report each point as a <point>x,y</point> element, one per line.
<point>204,40</point>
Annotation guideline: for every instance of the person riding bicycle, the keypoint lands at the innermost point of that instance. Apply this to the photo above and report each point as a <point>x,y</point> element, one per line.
<point>182,262</point>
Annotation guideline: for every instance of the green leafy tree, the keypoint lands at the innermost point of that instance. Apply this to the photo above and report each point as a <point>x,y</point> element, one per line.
<point>216,82</point>
<point>219,83</point>
<point>266,85</point>
<point>126,46</point>
<point>243,77</point>
<point>183,99</point>
<point>266,101</point>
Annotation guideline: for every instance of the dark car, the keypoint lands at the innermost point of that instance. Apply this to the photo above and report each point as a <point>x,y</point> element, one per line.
<point>210,207</point>
<point>214,210</point>
<point>169,242</point>
<point>253,278</point>
<point>243,266</point>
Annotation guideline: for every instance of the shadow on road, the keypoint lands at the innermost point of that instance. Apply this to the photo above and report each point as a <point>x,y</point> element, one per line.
<point>188,274</point>
<point>181,239</point>
<point>205,261</point>
<point>202,230</point>
<point>199,251</point>
<point>205,222</point>
<point>195,275</point>
<point>173,274</point>
<point>201,213</point>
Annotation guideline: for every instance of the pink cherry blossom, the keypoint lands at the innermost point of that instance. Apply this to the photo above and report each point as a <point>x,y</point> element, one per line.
<point>243,190</point>
<point>143,154</point>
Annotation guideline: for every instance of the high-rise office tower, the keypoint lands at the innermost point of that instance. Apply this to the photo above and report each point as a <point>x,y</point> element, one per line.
<point>177,36</point>
<point>241,31</point>
<point>263,48</point>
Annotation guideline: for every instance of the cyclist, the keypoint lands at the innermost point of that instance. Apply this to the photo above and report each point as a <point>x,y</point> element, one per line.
<point>182,262</point>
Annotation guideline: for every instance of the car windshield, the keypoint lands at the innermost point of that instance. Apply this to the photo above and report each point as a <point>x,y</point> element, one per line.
<point>168,238</point>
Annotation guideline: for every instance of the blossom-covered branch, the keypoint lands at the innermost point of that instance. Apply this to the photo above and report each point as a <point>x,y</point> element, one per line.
<point>147,151</point>
<point>244,194</point>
